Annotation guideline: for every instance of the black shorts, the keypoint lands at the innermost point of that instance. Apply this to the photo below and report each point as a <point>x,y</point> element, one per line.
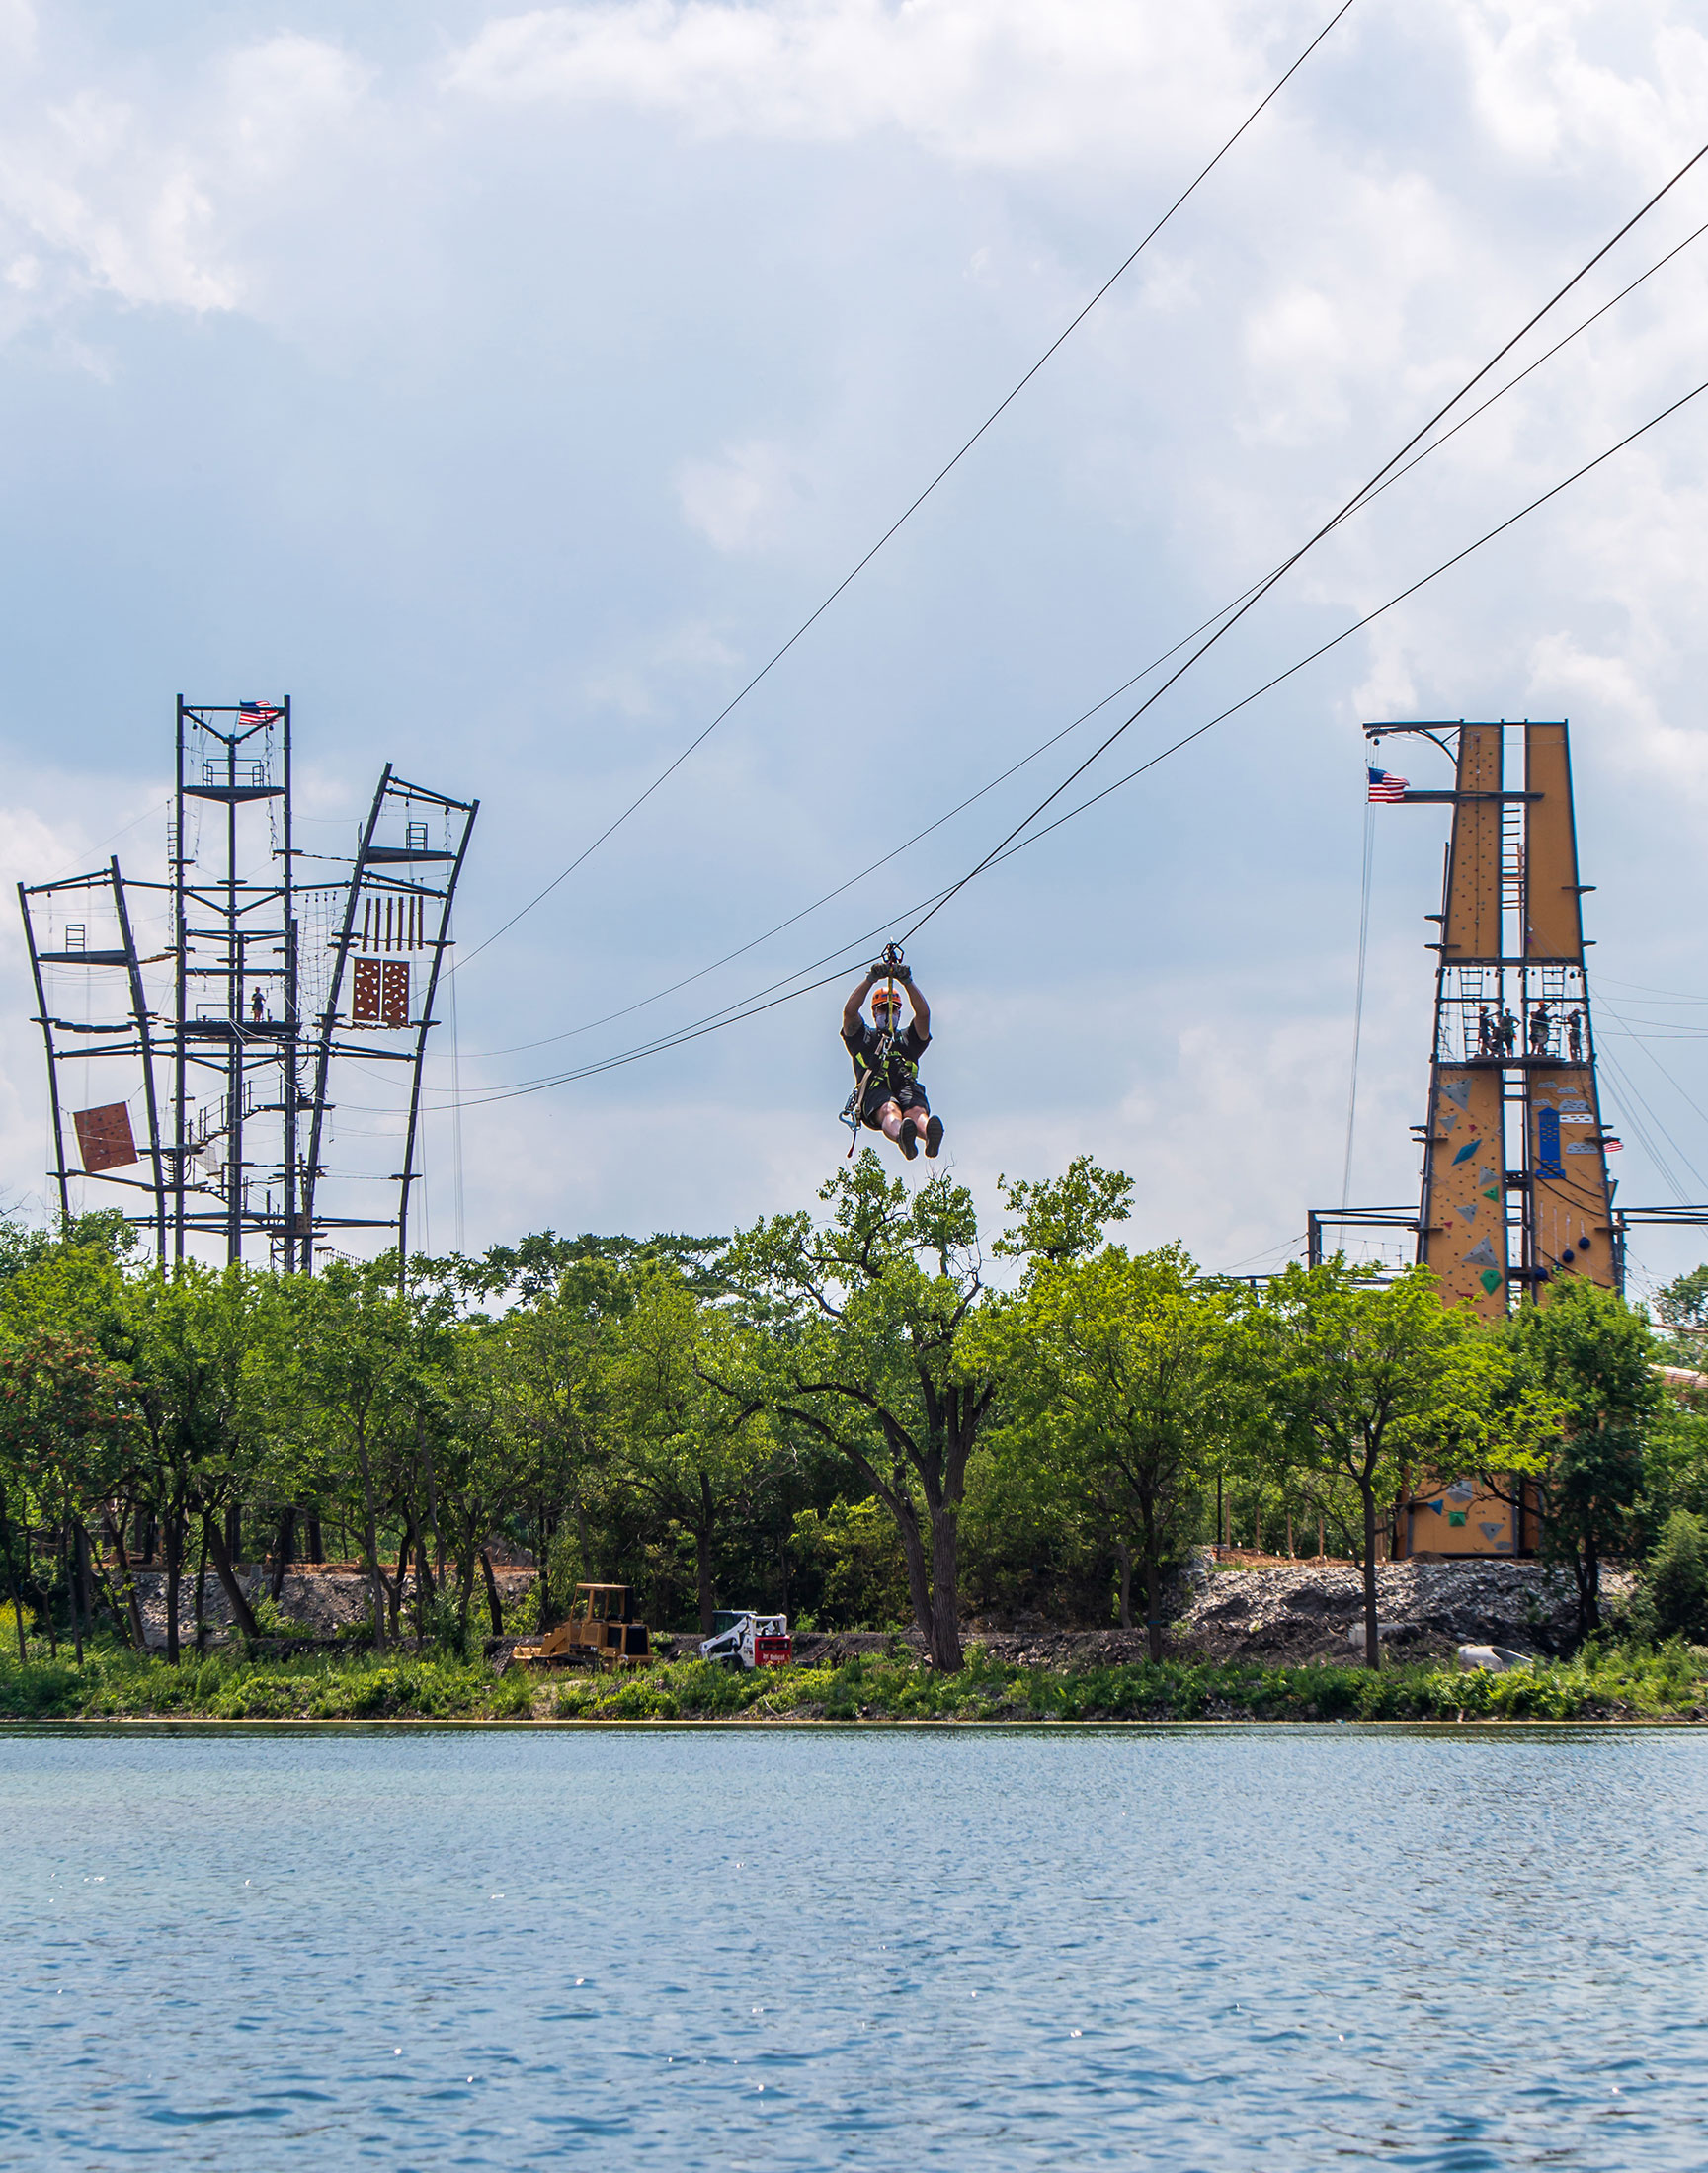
<point>912,1097</point>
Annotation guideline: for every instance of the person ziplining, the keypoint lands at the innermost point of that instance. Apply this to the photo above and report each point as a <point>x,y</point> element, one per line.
<point>887,1096</point>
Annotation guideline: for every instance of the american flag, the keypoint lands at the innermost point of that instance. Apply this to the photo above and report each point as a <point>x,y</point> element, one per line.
<point>263,712</point>
<point>1386,788</point>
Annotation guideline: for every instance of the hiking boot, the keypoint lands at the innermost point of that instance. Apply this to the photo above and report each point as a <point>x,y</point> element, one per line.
<point>909,1141</point>
<point>934,1137</point>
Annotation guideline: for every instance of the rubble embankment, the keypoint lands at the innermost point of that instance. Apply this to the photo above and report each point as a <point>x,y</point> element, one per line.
<point>317,1601</point>
<point>1279,1611</point>
<point>1297,1611</point>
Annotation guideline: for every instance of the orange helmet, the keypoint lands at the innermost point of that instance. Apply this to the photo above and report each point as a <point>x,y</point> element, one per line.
<point>886,1000</point>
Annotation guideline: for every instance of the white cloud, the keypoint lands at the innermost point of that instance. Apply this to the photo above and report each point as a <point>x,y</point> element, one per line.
<point>742,501</point>
<point>1005,82</point>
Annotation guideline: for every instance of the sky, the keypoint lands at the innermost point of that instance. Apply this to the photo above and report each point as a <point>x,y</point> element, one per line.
<point>508,387</point>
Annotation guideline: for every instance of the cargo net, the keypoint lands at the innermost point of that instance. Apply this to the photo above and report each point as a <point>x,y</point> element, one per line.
<point>320,917</point>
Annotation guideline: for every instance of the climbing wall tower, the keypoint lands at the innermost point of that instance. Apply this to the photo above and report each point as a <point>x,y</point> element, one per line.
<point>1516,1195</point>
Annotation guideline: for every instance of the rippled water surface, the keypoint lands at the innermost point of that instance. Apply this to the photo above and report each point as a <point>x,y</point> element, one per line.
<point>1212,1949</point>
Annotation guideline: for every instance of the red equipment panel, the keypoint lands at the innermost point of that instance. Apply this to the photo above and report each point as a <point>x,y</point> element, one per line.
<point>104,1136</point>
<point>364,993</point>
<point>394,991</point>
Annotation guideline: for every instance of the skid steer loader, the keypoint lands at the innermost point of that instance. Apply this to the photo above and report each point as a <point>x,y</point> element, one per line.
<point>747,1640</point>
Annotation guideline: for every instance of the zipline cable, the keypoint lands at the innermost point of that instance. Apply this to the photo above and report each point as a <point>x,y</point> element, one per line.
<point>904,517</point>
<point>1310,544</point>
<point>627,1010</point>
<point>730,1015</point>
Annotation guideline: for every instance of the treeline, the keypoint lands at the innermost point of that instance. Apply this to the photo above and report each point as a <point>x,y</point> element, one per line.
<point>840,1414</point>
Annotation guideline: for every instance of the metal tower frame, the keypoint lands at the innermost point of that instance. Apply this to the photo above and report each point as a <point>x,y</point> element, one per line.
<point>227,1163</point>
<point>1515,1191</point>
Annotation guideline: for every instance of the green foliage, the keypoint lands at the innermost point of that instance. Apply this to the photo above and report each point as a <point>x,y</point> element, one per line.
<point>1671,1601</point>
<point>1592,1355</point>
<point>1115,1373</point>
<point>856,1551</point>
<point>1063,1219</point>
<point>1682,1305</point>
<point>1603,1682</point>
<point>830,1415</point>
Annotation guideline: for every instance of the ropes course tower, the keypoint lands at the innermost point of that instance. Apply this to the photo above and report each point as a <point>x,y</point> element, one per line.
<point>1515,1197</point>
<point>194,1027</point>
<point>1515,1193</point>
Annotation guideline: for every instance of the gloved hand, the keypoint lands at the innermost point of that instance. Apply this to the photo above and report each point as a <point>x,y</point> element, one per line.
<point>904,974</point>
<point>877,971</point>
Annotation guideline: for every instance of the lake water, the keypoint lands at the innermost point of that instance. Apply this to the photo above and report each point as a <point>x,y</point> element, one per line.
<point>875,1949</point>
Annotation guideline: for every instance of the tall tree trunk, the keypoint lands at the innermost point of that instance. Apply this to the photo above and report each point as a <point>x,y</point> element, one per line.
<point>201,1593</point>
<point>75,1585</point>
<point>371,1537</point>
<point>702,1532</point>
<point>492,1609</point>
<point>85,1571</point>
<point>227,1577</point>
<point>54,1593</point>
<point>919,1573</point>
<point>543,1569</point>
<point>1322,1540</point>
<point>945,1641</point>
<point>424,1591</point>
<point>583,1545</point>
<point>1588,1566</point>
<point>103,1585</point>
<point>128,1587</point>
<point>464,1588</point>
<point>234,1533</point>
<point>1153,1599</point>
<point>12,1578</point>
<point>316,1546</point>
<point>424,1449</point>
<point>1290,1552</point>
<point>1257,1525</point>
<point>1125,1556</point>
<point>284,1547</point>
<point>1372,1640</point>
<point>402,1571</point>
<point>174,1539</point>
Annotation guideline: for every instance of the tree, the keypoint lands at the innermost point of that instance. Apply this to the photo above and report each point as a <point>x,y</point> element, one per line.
<point>202,1346</point>
<point>1588,1352</point>
<point>1115,1369</point>
<point>552,1362</point>
<point>1365,1383</point>
<point>64,1426</point>
<point>1672,1600</point>
<point>1682,1313</point>
<point>351,1327</point>
<point>692,1449</point>
<point>865,1346</point>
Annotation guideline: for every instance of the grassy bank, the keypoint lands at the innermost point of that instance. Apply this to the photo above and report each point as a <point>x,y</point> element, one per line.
<point>1609,1683</point>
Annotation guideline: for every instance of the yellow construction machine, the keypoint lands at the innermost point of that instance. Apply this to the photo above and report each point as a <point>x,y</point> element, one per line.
<point>601,1632</point>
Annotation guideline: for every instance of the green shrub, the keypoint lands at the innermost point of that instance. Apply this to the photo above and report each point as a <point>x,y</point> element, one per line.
<point>1675,1580</point>
<point>513,1697</point>
<point>639,1699</point>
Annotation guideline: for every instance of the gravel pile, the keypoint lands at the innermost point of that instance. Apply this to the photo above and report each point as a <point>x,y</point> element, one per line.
<point>1305,1610</point>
